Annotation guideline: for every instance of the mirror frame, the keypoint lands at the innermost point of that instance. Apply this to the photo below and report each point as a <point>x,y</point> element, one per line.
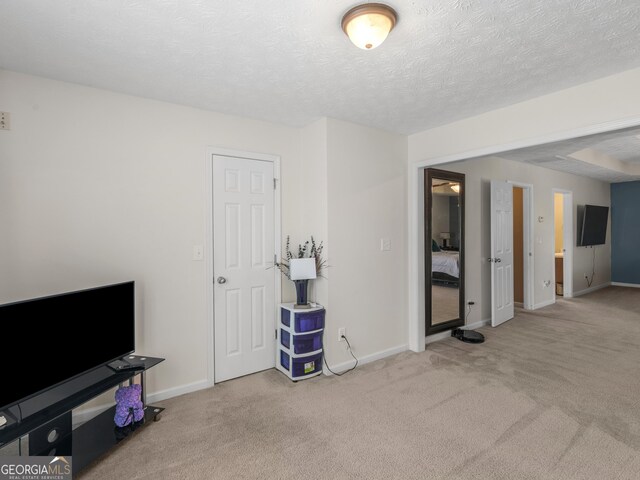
<point>429,175</point>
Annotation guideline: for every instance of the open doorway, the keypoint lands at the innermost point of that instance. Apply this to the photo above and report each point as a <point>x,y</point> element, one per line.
<point>563,242</point>
<point>523,245</point>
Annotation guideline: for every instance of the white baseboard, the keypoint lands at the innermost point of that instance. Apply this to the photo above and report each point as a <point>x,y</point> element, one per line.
<point>478,324</point>
<point>340,367</point>
<point>436,337</point>
<point>591,289</point>
<point>546,303</point>
<point>84,415</point>
<point>177,391</point>
<point>620,284</point>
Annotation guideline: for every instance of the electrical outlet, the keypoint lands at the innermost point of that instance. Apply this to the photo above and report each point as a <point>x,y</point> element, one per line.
<point>341,333</point>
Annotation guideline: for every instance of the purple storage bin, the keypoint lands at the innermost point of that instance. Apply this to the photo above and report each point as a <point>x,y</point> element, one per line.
<point>284,359</point>
<point>305,343</point>
<point>285,316</point>
<point>303,321</point>
<point>309,321</point>
<point>301,366</point>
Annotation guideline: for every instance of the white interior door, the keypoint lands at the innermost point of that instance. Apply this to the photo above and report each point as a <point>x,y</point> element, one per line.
<point>244,285</point>
<point>502,308</point>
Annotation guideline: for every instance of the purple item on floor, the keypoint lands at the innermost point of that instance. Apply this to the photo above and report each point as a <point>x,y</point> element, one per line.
<point>128,405</point>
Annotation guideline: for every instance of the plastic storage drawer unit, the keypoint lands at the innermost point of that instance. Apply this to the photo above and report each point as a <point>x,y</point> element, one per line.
<point>301,366</point>
<point>303,343</point>
<point>300,322</point>
<point>299,341</point>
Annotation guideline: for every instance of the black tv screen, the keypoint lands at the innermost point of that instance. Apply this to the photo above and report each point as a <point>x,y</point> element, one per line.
<point>593,229</point>
<point>40,330</point>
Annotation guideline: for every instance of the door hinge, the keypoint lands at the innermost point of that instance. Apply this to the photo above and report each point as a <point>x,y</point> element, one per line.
<point>275,181</point>
<point>275,258</point>
<point>276,332</point>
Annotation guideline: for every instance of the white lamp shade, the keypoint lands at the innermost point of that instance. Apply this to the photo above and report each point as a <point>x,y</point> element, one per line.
<point>302,268</point>
<point>445,235</point>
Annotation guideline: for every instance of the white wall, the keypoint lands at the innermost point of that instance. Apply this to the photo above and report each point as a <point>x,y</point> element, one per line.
<point>593,107</point>
<point>366,202</point>
<point>99,187</point>
<point>479,173</point>
<point>312,203</point>
<point>608,103</point>
<point>609,99</point>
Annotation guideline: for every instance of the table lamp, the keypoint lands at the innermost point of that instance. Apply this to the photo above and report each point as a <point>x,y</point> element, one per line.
<point>301,270</point>
<point>445,236</point>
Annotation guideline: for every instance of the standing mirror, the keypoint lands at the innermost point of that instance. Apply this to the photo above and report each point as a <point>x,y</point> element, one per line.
<point>444,249</point>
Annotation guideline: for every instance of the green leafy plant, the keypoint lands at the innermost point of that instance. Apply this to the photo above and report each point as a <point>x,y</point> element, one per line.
<point>308,249</point>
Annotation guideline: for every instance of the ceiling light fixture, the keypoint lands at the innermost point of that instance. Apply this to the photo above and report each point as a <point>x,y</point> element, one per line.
<point>368,25</point>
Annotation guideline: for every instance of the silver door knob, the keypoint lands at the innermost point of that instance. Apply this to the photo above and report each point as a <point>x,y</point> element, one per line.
<point>498,260</point>
<point>221,280</point>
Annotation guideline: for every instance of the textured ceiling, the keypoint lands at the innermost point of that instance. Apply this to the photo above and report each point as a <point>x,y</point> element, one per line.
<point>624,148</point>
<point>288,61</point>
<point>607,150</point>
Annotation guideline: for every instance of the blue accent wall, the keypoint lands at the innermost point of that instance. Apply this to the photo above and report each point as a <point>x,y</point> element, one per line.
<point>625,232</point>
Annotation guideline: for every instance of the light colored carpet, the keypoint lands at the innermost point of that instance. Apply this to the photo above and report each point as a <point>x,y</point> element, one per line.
<point>553,394</point>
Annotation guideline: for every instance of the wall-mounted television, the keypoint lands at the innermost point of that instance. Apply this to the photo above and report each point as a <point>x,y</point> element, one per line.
<point>39,330</point>
<point>592,225</point>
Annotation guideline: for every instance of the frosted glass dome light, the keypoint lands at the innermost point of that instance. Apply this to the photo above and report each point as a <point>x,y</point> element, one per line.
<point>368,25</point>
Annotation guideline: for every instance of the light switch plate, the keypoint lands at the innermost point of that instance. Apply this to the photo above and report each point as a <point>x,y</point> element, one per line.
<point>385,244</point>
<point>198,252</point>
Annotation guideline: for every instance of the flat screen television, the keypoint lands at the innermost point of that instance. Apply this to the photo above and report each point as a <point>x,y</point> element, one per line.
<point>592,225</point>
<point>39,329</point>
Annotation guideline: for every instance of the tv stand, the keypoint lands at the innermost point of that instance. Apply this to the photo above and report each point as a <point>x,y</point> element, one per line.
<point>49,431</point>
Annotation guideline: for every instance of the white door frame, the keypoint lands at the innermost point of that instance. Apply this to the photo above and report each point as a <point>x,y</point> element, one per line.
<point>567,241</point>
<point>415,189</point>
<point>528,273</point>
<point>208,246</point>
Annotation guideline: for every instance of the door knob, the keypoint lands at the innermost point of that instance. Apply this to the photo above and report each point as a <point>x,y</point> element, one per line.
<point>222,280</point>
<point>497,260</point>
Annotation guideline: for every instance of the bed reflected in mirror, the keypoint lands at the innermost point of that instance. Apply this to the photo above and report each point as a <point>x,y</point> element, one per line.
<point>444,239</point>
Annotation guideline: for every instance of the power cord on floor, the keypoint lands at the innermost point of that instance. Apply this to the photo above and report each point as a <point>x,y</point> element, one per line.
<point>324,356</point>
<point>593,269</point>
